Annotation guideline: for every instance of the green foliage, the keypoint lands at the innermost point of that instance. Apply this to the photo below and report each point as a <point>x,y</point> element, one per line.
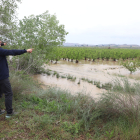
<point>57,75</point>
<point>61,115</point>
<point>72,128</point>
<point>8,18</point>
<point>78,82</point>
<point>48,72</point>
<point>109,135</point>
<point>97,84</point>
<point>63,76</point>
<point>107,86</point>
<point>41,32</point>
<point>25,104</point>
<point>78,53</point>
<point>54,73</point>
<point>69,77</point>
<point>131,65</point>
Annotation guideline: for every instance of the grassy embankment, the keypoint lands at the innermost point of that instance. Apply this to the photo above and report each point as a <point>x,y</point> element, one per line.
<point>56,114</point>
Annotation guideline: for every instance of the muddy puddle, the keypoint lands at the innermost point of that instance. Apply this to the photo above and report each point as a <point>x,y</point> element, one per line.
<point>103,71</point>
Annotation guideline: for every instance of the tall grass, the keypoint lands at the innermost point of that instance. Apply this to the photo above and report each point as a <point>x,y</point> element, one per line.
<point>55,113</point>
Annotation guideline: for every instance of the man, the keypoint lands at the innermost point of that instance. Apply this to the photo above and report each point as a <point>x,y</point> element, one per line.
<point>5,86</point>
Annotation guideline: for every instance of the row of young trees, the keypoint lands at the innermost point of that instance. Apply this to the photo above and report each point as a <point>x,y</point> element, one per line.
<point>73,53</point>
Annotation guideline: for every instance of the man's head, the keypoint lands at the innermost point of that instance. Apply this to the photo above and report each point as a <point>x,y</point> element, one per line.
<point>2,43</point>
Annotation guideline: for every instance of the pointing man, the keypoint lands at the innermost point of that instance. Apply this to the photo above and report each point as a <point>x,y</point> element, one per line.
<point>5,86</point>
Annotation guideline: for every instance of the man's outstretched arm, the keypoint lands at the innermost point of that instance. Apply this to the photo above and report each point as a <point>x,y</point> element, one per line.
<point>5,52</point>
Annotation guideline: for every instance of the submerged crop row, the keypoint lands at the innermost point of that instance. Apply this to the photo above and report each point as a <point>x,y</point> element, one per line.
<point>74,53</point>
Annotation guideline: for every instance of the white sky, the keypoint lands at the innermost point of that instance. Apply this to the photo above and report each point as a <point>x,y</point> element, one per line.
<point>91,21</point>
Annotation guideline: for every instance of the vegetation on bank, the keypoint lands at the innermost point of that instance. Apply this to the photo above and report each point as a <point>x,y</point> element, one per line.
<point>56,114</point>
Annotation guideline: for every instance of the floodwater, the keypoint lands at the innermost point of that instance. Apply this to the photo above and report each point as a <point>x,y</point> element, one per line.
<point>103,71</point>
<point>70,86</point>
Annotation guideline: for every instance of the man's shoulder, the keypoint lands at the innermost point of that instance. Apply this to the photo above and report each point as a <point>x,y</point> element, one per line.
<point>1,48</point>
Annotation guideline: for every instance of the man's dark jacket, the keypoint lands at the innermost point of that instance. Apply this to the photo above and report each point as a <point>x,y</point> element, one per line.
<point>4,70</point>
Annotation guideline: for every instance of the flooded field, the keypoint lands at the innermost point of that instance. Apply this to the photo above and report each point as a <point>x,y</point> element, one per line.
<point>103,71</point>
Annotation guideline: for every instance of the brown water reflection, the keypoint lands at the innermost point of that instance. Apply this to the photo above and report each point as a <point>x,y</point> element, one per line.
<point>70,86</point>
<point>97,62</point>
<point>103,71</point>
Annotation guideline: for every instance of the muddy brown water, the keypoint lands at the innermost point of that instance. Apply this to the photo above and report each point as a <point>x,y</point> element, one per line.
<point>103,71</point>
<point>70,86</point>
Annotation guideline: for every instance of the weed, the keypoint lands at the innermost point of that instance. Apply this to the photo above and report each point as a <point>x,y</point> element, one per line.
<point>57,75</point>
<point>25,104</point>
<point>72,128</point>
<point>109,135</point>
<point>54,73</point>
<point>83,79</point>
<point>69,77</point>
<point>97,84</point>
<point>63,76</point>
<point>90,81</point>
<point>87,80</point>
<point>48,72</point>
<point>78,82</point>
<point>107,86</point>
<point>56,114</point>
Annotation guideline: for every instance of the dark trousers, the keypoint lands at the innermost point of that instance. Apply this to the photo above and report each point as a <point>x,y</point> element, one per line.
<point>5,87</point>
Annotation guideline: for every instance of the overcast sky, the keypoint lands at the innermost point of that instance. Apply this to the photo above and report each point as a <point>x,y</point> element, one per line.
<point>91,21</point>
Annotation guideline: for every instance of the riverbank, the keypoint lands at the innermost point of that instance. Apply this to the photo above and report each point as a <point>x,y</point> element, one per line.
<point>56,114</point>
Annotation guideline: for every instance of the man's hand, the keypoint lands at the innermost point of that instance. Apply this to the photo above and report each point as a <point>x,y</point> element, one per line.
<point>30,50</point>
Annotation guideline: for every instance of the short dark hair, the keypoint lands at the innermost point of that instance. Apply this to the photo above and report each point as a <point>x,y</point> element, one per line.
<point>2,43</point>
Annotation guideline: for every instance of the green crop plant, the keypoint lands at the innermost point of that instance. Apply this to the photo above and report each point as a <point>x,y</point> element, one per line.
<point>97,84</point>
<point>114,56</point>
<point>107,55</point>
<point>57,75</point>
<point>109,135</point>
<point>83,79</point>
<point>124,56</point>
<point>48,72</point>
<point>107,86</point>
<point>54,73</point>
<point>63,76</point>
<point>56,55</point>
<point>102,55</point>
<point>90,81</point>
<point>69,55</point>
<point>83,53</point>
<point>94,56</point>
<point>78,82</point>
<point>131,65</point>
<point>69,77</point>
